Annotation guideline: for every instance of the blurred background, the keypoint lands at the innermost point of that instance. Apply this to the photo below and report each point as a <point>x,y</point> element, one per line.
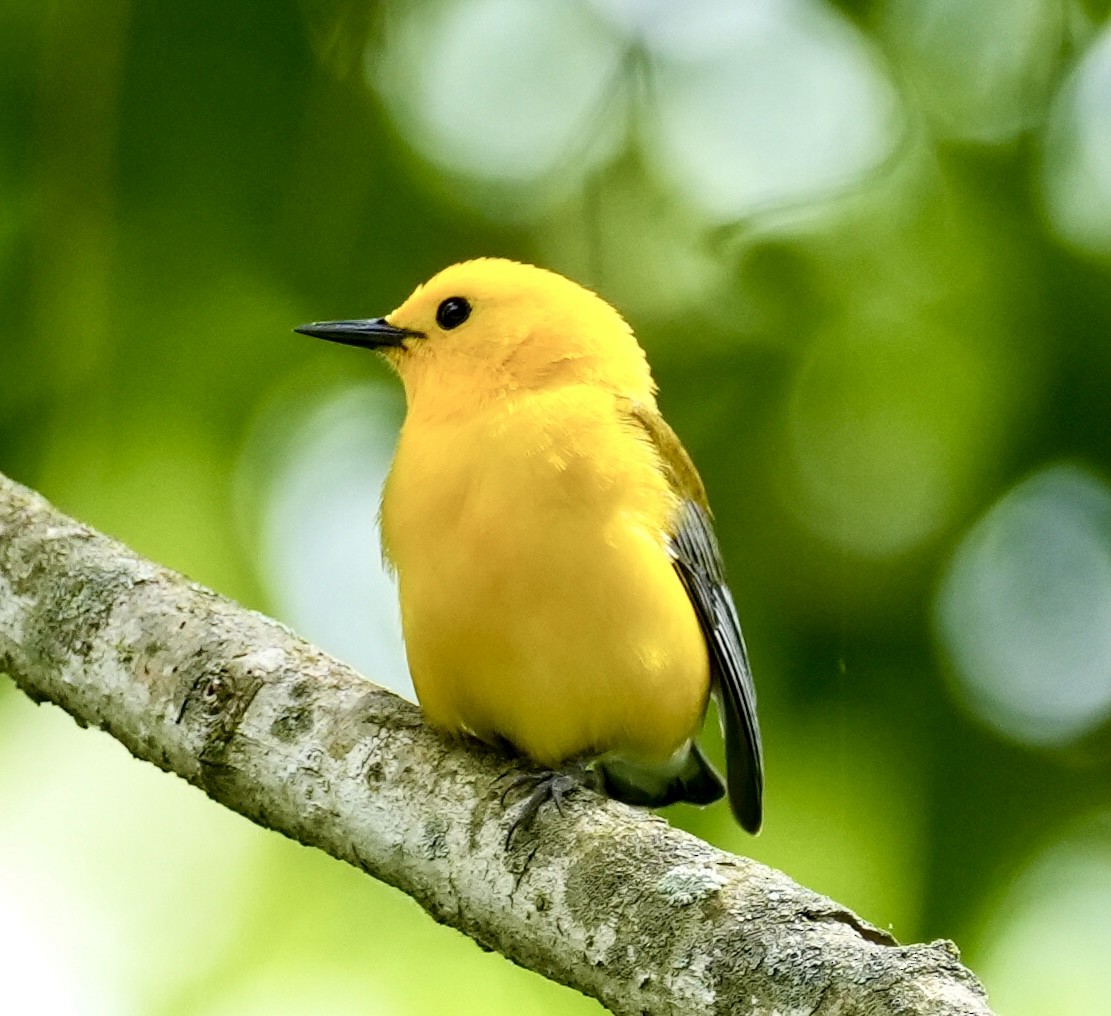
<point>867,246</point>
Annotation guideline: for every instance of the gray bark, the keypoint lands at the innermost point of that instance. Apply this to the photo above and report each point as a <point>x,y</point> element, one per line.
<point>607,899</point>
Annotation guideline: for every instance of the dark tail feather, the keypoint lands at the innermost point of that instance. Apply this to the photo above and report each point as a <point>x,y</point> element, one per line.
<point>695,781</point>
<point>743,764</point>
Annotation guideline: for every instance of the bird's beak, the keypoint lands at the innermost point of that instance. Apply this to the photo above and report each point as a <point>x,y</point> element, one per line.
<point>370,333</point>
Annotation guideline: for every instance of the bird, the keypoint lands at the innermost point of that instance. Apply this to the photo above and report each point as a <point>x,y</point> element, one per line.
<point>561,585</point>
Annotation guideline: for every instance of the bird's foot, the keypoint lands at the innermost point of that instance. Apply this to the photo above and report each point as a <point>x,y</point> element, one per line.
<point>549,785</point>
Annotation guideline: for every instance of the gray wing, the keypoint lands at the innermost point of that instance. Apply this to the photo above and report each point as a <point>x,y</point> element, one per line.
<point>697,559</point>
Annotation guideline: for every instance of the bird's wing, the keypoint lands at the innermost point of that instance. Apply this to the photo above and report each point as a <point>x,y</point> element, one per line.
<point>697,559</point>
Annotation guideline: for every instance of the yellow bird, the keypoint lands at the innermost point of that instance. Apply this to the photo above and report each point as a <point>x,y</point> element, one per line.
<point>562,590</point>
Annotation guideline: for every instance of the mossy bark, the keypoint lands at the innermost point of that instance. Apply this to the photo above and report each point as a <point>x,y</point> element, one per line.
<point>607,899</point>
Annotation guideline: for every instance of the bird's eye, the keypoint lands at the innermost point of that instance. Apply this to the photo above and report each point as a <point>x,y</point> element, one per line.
<point>452,312</point>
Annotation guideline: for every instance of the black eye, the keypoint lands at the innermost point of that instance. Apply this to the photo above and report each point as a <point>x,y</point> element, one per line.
<point>452,312</point>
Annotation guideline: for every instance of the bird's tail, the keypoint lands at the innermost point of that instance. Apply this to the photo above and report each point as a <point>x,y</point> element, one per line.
<point>687,776</point>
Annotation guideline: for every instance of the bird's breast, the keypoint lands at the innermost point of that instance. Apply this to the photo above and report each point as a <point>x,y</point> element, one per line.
<point>538,598</point>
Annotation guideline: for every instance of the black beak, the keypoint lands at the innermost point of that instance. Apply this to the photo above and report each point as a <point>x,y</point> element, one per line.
<point>370,333</point>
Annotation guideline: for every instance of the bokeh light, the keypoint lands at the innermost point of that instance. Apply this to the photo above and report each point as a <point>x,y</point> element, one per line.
<point>1047,940</point>
<point>1077,180</point>
<point>983,71</point>
<point>1025,608</point>
<point>45,969</point>
<point>780,103</point>
<point>741,107</point>
<point>480,89</point>
<point>95,879</point>
<point>312,477</point>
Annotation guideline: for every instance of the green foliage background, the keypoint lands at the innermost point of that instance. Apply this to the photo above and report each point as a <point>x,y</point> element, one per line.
<point>895,378</point>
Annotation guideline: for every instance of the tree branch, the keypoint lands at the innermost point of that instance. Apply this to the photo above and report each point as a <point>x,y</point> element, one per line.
<point>608,899</point>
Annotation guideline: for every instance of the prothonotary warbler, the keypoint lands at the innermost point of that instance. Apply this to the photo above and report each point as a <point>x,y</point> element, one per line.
<point>562,590</point>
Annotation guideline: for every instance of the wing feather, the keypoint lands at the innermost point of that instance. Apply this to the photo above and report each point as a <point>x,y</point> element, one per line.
<point>697,559</point>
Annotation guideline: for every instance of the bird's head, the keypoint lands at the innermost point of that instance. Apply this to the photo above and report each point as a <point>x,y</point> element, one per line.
<point>489,328</point>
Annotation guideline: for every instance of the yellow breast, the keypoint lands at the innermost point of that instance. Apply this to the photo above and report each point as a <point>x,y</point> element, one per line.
<point>538,600</point>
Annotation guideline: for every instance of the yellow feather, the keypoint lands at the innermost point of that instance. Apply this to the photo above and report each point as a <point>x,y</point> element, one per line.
<point>538,600</point>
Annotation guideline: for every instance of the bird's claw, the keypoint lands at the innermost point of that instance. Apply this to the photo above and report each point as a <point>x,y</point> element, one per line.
<point>517,780</point>
<point>546,786</point>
